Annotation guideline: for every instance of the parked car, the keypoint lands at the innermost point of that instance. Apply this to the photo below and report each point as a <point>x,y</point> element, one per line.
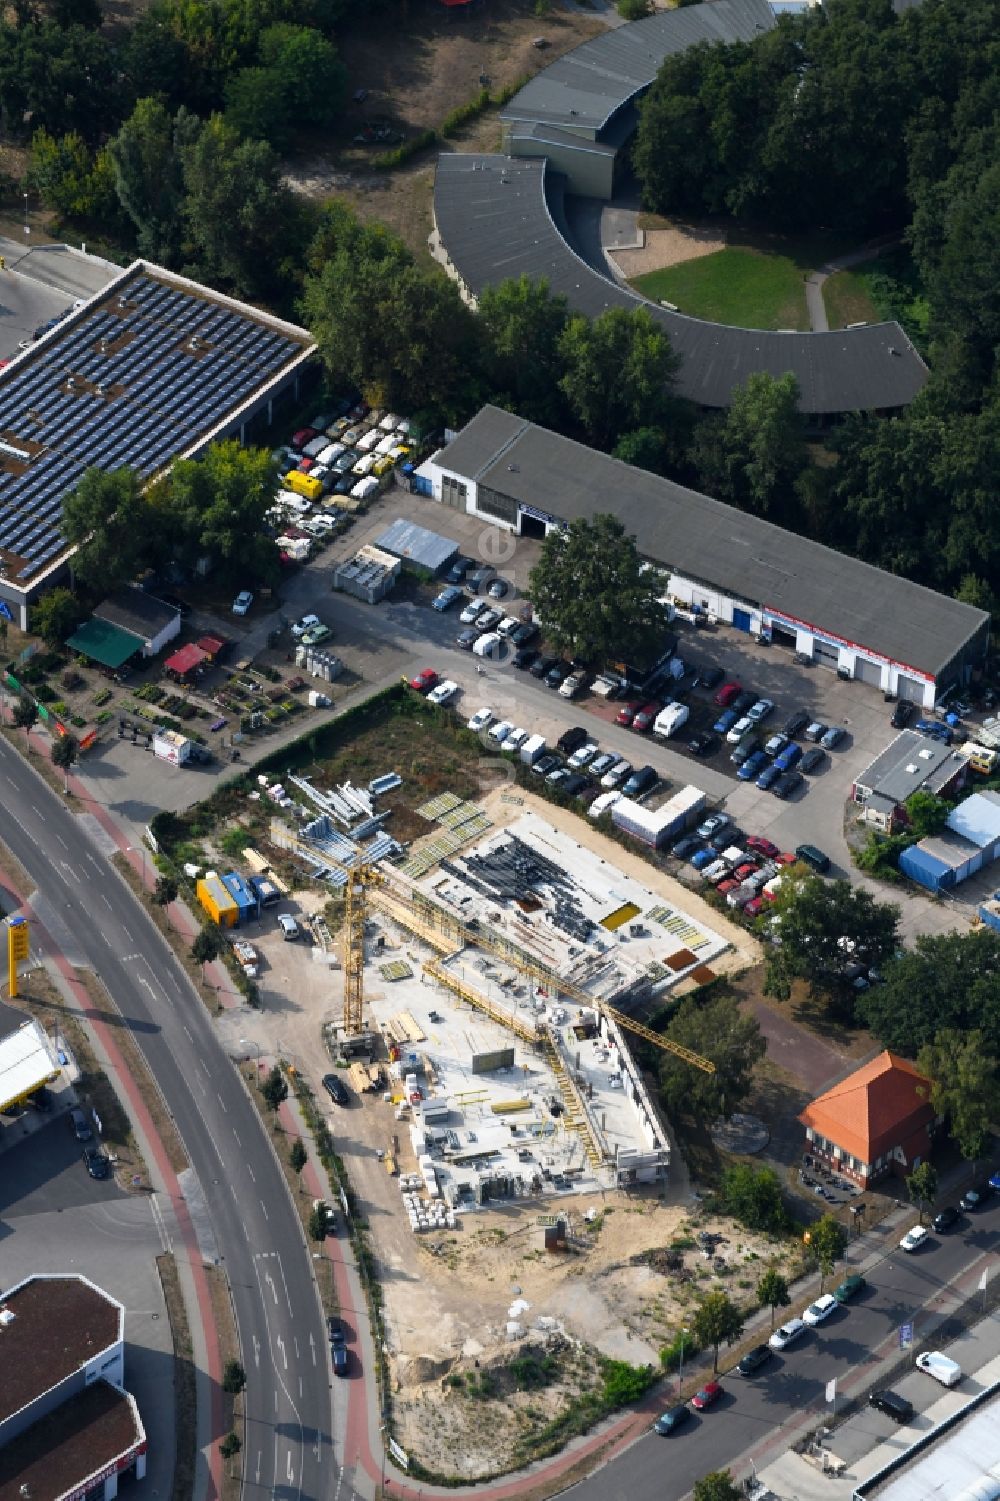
<point>743,701</point>
<point>892,1404</point>
<point>712,825</point>
<point>541,665</point>
<point>754,1359</point>
<point>739,730</point>
<point>946,1219</point>
<point>315,634</point>
<point>571,740</point>
<point>702,859</point>
<point>498,589</point>
<point>79,1125</point>
<point>627,713</point>
<point>761,845</point>
<point>727,693</point>
<point>498,732</point>
<point>975,1198</point>
<point>300,627</point>
<point>795,723</point>
<point>467,639</point>
<point>753,906</point>
<point>289,927</point>
<point>641,781</point>
<point>787,1334</point>
<point>776,744</point>
<point>682,848</point>
<point>573,684</point>
<point>515,740</point>
<point>760,710</point>
<point>424,680</point>
<point>747,747</point>
<point>489,619</point>
<point>812,855</point>
<point>768,776</point>
<point>947,1371</point>
<point>575,783</point>
<point>458,570</point>
<point>902,714</point>
<point>544,765</point>
<point>709,1394</point>
<point>447,598</point>
<point>617,773</point>
<point>752,766</point>
<point>787,758</point>
<point>443,693</point>
<point>725,721</point>
<point>821,1310</point>
<point>480,720</point>
<point>96,1163</point>
<point>850,1288</point>
<point>703,744</point>
<point>524,658</point>
<point>601,764</point>
<point>487,644</point>
<point>523,633</point>
<point>603,804</point>
<point>914,1239</point>
<point>583,754</point>
<point>833,737</point>
<point>668,1421</point>
<point>813,759</point>
<point>787,783</point>
<point>645,717</point>
<point>473,610</point>
<point>816,730</point>
<point>556,674</point>
<point>710,677</point>
<point>558,775</point>
<point>336,1089</point>
<point>242,602</point>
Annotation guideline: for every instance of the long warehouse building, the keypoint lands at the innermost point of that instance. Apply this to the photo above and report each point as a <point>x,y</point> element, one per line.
<point>748,573</point>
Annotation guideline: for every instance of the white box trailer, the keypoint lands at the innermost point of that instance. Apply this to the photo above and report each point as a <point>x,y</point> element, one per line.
<point>533,749</point>
<point>170,746</point>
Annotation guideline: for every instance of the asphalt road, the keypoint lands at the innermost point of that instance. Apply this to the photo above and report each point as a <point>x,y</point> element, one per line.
<point>750,1410</point>
<point>288,1451</point>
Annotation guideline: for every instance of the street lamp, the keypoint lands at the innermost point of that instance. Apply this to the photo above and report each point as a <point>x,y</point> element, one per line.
<point>680,1368</point>
<point>27,226</point>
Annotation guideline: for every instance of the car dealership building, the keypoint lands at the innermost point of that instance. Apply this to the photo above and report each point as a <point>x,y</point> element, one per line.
<point>738,569</point>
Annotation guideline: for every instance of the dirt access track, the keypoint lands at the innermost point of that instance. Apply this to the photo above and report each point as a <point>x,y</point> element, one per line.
<point>415,73</point>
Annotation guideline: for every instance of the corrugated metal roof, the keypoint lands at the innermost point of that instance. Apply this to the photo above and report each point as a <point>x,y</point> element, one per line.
<point>585,87</point>
<point>909,762</point>
<point>495,222</point>
<point>977,819</point>
<point>715,543</point>
<point>417,545</point>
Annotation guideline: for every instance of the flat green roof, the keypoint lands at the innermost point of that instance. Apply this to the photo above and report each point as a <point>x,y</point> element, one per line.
<point>105,643</point>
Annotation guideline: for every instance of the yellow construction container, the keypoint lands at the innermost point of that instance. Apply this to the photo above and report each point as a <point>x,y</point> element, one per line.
<point>217,902</point>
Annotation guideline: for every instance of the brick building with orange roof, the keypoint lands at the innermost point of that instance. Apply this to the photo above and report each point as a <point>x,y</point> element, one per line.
<point>879,1120</point>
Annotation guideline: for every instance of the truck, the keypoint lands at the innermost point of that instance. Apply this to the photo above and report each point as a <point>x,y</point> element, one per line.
<point>532,750</point>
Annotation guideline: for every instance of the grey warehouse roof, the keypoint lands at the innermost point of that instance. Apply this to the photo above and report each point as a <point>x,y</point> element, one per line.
<point>714,543</point>
<point>494,221</point>
<point>144,372</point>
<point>136,611</point>
<point>910,761</point>
<point>585,87</point>
<point>405,539</point>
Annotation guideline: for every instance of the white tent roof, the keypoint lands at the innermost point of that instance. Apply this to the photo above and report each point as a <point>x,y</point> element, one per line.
<point>26,1061</point>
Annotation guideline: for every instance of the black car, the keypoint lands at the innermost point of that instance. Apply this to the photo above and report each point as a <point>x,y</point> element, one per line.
<point>541,665</point>
<point>466,638</point>
<point>79,1125</point>
<point>742,702</point>
<point>725,837</point>
<point>524,657</point>
<point>335,1330</point>
<point>575,783</point>
<point>901,714</point>
<point>527,631</point>
<point>710,677</point>
<point>544,765</point>
<point>641,781</point>
<point>787,783</point>
<point>456,573</point>
<point>703,745</point>
<point>754,1359</point>
<point>338,1354</point>
<point>97,1165</point>
<point>745,750</point>
<point>946,1218</point>
<point>892,1405</point>
<point>671,1419</point>
<point>686,846</point>
<point>571,740</point>
<point>335,1089</point>
<point>795,723</point>
<point>557,673</point>
<point>813,759</point>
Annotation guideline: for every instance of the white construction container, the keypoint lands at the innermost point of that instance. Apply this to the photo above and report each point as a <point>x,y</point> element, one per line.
<point>532,750</point>
<point>171,746</point>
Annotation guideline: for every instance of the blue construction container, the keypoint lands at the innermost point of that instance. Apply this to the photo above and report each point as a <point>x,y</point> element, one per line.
<point>246,899</point>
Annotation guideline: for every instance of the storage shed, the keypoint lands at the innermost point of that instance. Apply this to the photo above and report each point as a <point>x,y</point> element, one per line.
<point>217,901</point>
<point>417,545</point>
<point>243,895</point>
<point>970,842</point>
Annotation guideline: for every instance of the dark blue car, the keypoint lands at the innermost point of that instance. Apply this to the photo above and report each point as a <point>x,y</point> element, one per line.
<point>768,777</point>
<point>725,721</point>
<point>703,858</point>
<point>752,766</point>
<point>789,756</point>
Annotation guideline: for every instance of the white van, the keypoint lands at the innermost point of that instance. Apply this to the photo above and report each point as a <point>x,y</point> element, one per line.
<point>329,453</point>
<point>387,444</point>
<point>366,443</point>
<point>670,719</point>
<point>486,645</point>
<point>364,488</point>
<point>948,1372</point>
<point>365,464</point>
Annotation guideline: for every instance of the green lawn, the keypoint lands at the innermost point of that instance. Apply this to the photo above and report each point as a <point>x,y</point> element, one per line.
<point>848,299</point>
<point>738,285</point>
<point>886,287</point>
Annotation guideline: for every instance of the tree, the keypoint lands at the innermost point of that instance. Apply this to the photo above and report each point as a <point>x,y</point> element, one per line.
<point>56,615</point>
<point>754,454</point>
<point>521,323</point>
<point>230,1446</point>
<point>298,1156</point>
<point>721,1031</point>
<point>234,1378</point>
<point>65,750</point>
<point>927,814</point>
<point>828,930</point>
<point>216,506</point>
<point>106,517</point>
<point>275,1088</point>
<point>772,1290</point>
<point>826,1243</point>
<point>148,177</point>
<point>317,1226</point>
<point>207,945</point>
<point>25,715</point>
<point>597,598</point>
<point>69,177</point>
<point>300,52</point>
<point>922,1186</point>
<point>753,1196</point>
<point>945,982</point>
<point>716,1318</point>
<point>645,448</point>
<point>165,891</point>
<point>617,369</point>
<point>718,1485</point>
<point>964,1086</point>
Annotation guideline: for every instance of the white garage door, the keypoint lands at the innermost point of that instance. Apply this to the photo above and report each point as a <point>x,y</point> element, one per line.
<point>867,672</point>
<point>828,655</point>
<point>910,688</point>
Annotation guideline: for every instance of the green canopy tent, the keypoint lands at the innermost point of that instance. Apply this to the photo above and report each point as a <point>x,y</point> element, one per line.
<point>102,642</point>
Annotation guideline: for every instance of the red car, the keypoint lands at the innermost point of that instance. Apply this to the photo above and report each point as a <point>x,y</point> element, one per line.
<point>729,884</point>
<point>786,858</point>
<point>744,872</point>
<point>644,719</point>
<point>727,693</point>
<point>627,713</point>
<point>753,906</point>
<point>424,681</point>
<point>303,436</point>
<point>762,846</point>
<point>710,1392</point>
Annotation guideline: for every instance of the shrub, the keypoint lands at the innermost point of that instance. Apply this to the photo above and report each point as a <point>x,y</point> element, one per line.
<point>477,105</point>
<point>400,155</point>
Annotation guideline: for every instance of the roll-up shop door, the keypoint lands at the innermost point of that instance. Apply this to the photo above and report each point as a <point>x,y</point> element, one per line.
<point>828,655</point>
<point>910,688</point>
<point>868,672</point>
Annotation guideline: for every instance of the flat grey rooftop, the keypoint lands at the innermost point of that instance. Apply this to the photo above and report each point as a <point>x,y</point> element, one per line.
<point>495,222</point>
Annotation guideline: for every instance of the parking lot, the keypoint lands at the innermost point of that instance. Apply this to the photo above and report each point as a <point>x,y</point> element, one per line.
<point>38,284</point>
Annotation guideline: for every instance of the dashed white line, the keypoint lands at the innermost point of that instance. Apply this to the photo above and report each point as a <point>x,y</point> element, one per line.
<point>237,1135</point>
<point>251,1172</point>
<point>264,1207</point>
<point>39,812</point>
<point>221,1101</point>
<point>62,842</point>
<point>128,935</point>
<point>105,901</point>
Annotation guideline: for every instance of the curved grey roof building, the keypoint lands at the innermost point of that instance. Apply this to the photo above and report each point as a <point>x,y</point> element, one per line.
<point>501,216</point>
<point>494,221</point>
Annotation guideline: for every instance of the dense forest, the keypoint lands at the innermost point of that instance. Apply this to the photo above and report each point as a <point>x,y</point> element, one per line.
<point>167,138</point>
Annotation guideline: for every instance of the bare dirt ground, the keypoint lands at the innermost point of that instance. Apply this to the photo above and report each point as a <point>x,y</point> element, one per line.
<point>667,243</point>
<point>414,78</point>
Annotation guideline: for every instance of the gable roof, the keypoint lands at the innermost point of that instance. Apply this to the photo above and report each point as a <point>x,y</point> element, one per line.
<point>105,643</point>
<point>873,1109</point>
<point>134,610</point>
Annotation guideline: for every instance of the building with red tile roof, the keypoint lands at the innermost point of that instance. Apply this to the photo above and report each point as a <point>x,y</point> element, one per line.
<point>878,1120</point>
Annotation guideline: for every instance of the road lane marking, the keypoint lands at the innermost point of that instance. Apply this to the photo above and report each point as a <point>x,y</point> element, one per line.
<point>39,812</point>
<point>221,1101</point>
<point>105,901</point>
<point>63,842</point>
<point>266,1216</point>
